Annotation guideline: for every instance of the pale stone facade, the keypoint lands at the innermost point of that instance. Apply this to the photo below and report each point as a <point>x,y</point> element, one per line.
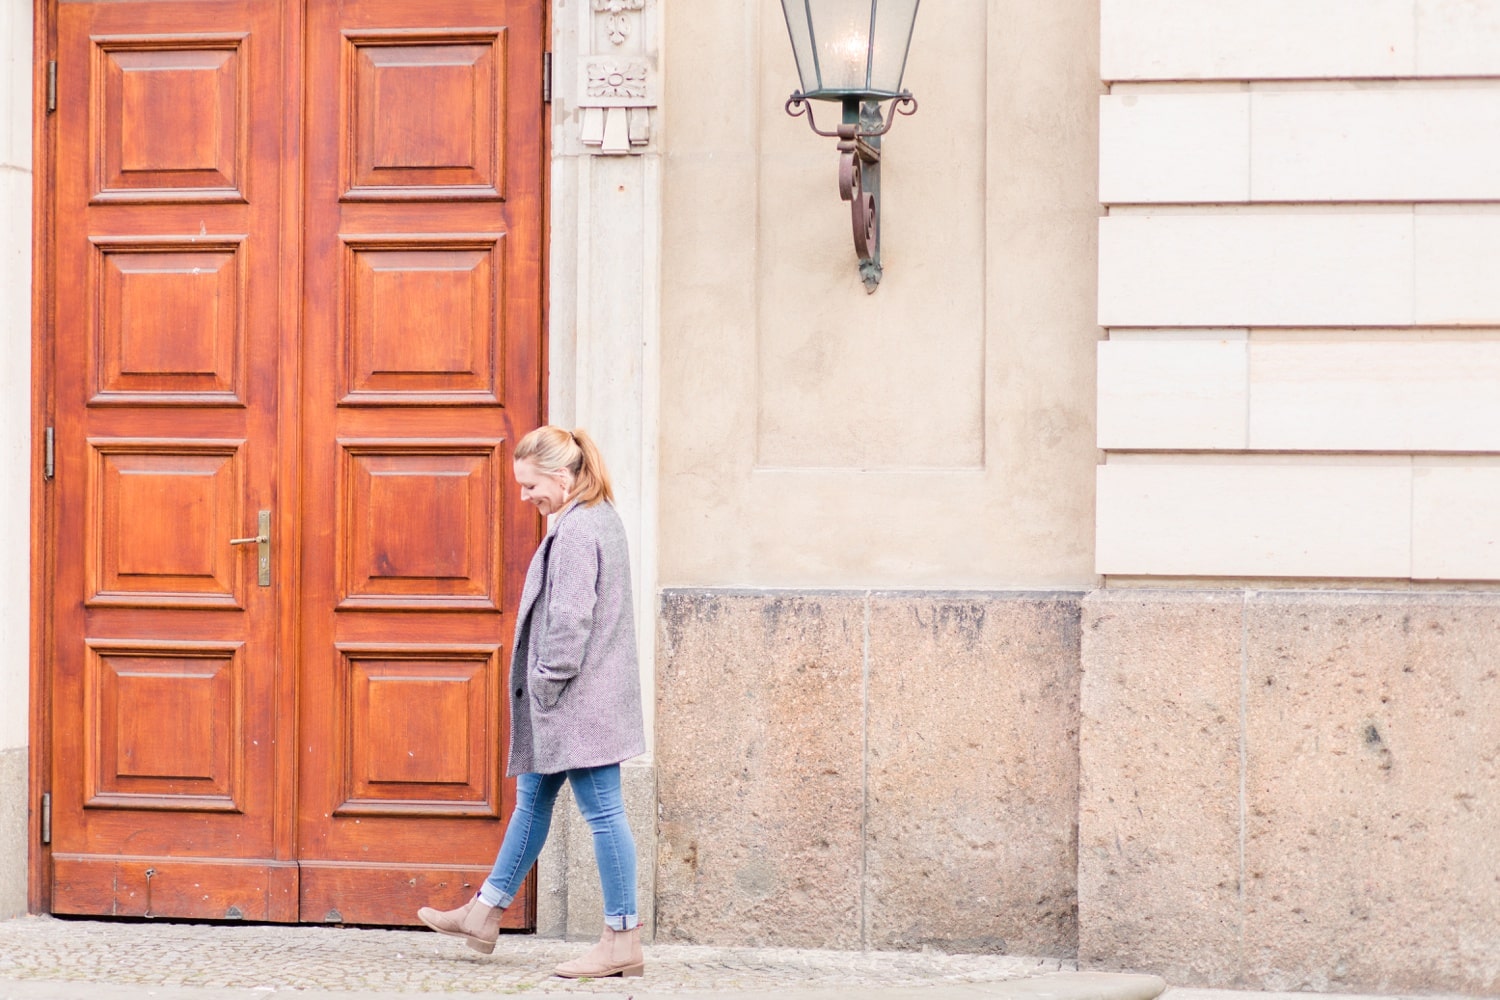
<point>1281,787</point>
<point>15,444</point>
<point>1121,579</point>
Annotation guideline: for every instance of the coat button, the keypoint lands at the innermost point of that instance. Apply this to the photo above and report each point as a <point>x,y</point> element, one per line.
<point>520,691</point>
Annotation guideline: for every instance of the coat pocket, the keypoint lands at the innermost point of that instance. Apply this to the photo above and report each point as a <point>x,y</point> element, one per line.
<point>545,691</point>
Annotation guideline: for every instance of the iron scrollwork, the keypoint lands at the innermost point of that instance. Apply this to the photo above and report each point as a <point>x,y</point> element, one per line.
<point>859,168</point>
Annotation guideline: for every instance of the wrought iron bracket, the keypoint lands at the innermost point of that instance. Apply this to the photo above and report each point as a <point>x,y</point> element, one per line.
<point>799,106</point>
<point>859,136</point>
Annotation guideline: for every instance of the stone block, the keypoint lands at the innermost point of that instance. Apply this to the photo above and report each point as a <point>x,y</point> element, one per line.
<point>1373,792</point>
<point>1370,143</point>
<point>1457,253</point>
<point>1237,269</point>
<point>972,773</point>
<point>1371,390</point>
<point>1256,39</point>
<point>15,87</point>
<point>759,768</point>
<point>1455,518</point>
<point>1159,795</point>
<point>1457,38</point>
<point>1254,515</point>
<point>1173,389</point>
<point>15,797</point>
<point>1174,147</point>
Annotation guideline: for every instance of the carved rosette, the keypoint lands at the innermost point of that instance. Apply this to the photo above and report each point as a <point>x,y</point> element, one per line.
<point>617,88</point>
<point>616,83</point>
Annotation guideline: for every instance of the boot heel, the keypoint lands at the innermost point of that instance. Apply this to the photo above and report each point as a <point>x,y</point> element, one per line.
<point>633,970</point>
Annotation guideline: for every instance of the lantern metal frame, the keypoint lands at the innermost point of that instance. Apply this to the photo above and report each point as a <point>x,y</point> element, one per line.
<point>859,133</point>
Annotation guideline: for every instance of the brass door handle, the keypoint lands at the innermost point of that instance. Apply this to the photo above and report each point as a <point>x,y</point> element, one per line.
<point>263,543</point>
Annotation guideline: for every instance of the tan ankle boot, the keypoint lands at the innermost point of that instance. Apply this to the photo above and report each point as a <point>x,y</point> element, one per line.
<point>618,953</point>
<point>476,922</point>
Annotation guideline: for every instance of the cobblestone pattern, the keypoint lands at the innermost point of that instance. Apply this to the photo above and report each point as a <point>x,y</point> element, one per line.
<point>400,961</point>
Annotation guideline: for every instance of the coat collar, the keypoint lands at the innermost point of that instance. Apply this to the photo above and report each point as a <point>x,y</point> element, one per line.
<point>557,518</point>
<point>537,571</point>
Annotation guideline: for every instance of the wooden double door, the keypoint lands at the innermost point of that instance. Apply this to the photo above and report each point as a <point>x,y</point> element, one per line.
<point>295,328</point>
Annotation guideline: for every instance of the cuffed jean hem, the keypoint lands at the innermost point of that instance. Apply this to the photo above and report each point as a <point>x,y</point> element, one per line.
<point>597,792</point>
<point>489,897</point>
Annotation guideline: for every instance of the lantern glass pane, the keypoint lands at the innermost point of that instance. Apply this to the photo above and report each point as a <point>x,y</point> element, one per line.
<point>893,28</point>
<point>841,43</point>
<point>799,25</point>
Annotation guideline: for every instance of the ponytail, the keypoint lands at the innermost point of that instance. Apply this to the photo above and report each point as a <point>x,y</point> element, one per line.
<point>553,449</point>
<point>592,482</point>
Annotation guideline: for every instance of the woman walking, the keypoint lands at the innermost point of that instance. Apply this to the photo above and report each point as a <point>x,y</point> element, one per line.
<point>576,699</point>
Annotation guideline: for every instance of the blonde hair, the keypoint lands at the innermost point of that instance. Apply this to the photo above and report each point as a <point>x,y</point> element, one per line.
<point>553,449</point>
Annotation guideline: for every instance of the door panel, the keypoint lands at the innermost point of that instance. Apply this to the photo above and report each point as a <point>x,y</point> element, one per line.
<point>298,253</point>
<point>422,361</point>
<point>165,650</point>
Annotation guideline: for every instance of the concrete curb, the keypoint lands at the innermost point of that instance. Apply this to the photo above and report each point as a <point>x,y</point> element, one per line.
<point>1056,986</point>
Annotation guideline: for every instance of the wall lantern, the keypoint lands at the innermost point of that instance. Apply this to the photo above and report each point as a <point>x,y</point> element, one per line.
<point>854,52</point>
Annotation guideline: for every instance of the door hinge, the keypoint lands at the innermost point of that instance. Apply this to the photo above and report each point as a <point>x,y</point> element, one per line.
<point>46,817</point>
<point>546,78</point>
<point>51,86</point>
<point>49,460</point>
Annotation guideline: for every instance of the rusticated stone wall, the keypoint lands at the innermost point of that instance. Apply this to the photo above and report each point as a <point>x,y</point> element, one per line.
<point>868,769</point>
<point>1292,790</point>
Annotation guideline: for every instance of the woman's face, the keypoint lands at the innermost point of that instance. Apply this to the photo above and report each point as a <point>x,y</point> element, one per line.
<point>546,491</point>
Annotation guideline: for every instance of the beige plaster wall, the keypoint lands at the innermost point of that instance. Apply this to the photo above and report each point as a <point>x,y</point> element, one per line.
<point>940,432</point>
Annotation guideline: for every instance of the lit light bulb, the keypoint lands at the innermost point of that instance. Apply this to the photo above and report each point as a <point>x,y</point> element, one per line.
<point>850,52</point>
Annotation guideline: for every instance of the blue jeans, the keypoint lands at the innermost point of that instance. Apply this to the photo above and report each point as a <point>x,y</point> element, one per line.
<point>597,791</point>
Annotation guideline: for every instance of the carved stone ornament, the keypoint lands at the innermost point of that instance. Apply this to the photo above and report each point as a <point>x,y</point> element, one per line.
<point>616,82</point>
<point>617,89</point>
<point>617,26</point>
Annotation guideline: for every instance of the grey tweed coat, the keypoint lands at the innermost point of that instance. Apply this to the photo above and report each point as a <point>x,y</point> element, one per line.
<point>575,682</point>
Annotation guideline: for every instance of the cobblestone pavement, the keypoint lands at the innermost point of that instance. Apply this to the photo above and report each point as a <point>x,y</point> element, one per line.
<point>339,959</point>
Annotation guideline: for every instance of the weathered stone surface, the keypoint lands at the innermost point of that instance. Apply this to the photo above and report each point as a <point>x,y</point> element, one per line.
<point>759,731</point>
<point>1374,792</point>
<point>1159,814</point>
<point>1360,855</point>
<point>14,796</point>
<point>972,772</point>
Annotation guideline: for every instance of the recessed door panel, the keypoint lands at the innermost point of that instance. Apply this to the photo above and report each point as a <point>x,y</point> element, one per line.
<point>160,512</point>
<point>422,324</point>
<point>168,327</point>
<point>165,725</point>
<point>425,110</point>
<point>419,725</point>
<point>170,115</point>
<point>420,527</point>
